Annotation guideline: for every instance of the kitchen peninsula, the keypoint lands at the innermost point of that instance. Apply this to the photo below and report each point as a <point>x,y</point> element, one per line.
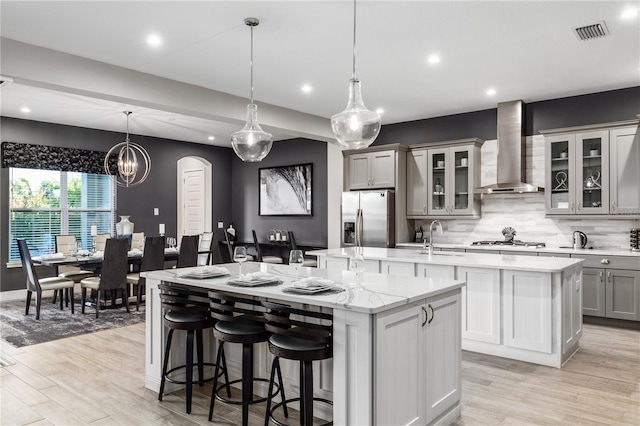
<point>519,307</point>
<point>396,342</point>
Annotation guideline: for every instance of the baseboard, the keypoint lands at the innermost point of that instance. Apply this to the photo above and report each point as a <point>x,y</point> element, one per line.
<point>611,322</point>
<point>6,296</point>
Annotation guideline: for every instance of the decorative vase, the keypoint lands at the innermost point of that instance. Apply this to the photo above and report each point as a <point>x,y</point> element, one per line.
<point>124,229</point>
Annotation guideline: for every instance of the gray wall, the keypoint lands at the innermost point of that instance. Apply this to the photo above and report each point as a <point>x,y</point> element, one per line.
<point>602,107</point>
<point>308,230</point>
<point>158,191</point>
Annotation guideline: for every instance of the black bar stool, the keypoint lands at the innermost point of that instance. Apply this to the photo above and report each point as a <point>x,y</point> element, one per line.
<point>239,320</point>
<point>187,310</point>
<point>299,340</point>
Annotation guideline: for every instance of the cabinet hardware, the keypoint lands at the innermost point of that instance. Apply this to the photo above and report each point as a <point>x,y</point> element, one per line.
<point>609,276</point>
<point>580,206</point>
<point>572,205</point>
<point>605,261</point>
<point>432,313</point>
<point>601,276</point>
<point>613,206</point>
<point>426,316</point>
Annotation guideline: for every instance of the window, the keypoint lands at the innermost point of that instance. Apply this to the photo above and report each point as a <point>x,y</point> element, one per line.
<point>45,203</point>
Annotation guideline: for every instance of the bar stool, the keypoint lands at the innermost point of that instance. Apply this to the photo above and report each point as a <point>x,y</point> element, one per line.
<point>239,320</point>
<point>187,310</point>
<point>304,340</point>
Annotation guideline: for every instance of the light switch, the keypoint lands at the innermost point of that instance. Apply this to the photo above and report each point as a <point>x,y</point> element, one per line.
<point>220,225</point>
<point>156,211</point>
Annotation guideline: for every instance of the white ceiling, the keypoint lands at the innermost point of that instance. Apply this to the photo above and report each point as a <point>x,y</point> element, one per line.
<point>523,49</point>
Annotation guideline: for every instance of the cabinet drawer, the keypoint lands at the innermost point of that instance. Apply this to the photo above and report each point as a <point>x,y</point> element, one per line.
<point>615,262</point>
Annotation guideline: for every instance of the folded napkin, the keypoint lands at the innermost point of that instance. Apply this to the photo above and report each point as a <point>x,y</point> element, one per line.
<point>207,271</point>
<point>83,253</point>
<point>58,255</point>
<point>135,252</point>
<point>311,282</point>
<point>259,276</point>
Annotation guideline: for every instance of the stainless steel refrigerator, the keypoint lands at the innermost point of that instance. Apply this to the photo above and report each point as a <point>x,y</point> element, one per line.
<point>368,218</point>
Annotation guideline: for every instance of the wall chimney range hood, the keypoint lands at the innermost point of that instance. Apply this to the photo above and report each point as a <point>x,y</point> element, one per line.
<point>511,153</point>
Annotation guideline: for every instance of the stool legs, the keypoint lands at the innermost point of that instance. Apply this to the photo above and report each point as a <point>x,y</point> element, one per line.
<point>247,380</point>
<point>189,369</point>
<point>275,367</point>
<point>307,395</point>
<point>220,358</point>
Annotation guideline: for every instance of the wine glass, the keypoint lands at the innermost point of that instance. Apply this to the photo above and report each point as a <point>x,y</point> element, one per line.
<point>171,242</point>
<point>296,259</point>
<point>240,256</point>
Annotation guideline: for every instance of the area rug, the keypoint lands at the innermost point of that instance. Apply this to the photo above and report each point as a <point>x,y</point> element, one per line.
<point>21,330</point>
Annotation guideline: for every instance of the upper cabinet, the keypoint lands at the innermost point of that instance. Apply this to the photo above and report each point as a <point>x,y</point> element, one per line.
<point>441,177</point>
<point>591,171</point>
<point>372,170</point>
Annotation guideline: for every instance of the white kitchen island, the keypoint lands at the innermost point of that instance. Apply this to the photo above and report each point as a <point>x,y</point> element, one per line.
<point>519,307</point>
<point>396,343</point>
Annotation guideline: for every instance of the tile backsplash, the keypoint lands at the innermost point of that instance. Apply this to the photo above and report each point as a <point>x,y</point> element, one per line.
<point>526,212</point>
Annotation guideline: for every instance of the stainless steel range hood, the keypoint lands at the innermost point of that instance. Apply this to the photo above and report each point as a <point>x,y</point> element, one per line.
<point>511,153</point>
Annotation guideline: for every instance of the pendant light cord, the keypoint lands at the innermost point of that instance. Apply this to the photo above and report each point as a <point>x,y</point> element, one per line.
<point>251,64</point>
<point>353,76</point>
<point>127,138</point>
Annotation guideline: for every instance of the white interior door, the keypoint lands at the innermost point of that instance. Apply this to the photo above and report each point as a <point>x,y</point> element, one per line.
<point>194,196</point>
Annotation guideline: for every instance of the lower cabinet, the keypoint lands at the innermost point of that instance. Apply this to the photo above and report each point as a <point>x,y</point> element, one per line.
<point>404,269</point>
<point>622,294</point>
<point>593,292</point>
<point>481,309</point>
<point>418,363</point>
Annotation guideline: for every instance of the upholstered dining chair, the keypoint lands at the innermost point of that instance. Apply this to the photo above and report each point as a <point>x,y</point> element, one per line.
<point>152,260</point>
<point>36,285</point>
<point>188,255</point>
<point>137,241</point>
<point>312,263</point>
<point>113,274</point>
<point>259,256</point>
<point>204,245</point>
<point>101,240</point>
<point>66,244</point>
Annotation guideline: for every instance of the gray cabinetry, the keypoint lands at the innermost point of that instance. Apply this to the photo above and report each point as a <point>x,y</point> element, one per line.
<point>593,292</point>
<point>622,294</point>
<point>372,170</point>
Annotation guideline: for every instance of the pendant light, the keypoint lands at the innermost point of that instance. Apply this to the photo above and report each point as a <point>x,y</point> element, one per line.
<point>356,127</point>
<point>251,143</point>
<point>133,162</point>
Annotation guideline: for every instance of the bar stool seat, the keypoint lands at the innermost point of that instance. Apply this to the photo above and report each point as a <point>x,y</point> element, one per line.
<point>239,320</point>
<point>304,340</point>
<point>187,310</point>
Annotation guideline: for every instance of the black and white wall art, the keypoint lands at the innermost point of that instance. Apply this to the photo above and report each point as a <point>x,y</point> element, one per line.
<point>286,190</point>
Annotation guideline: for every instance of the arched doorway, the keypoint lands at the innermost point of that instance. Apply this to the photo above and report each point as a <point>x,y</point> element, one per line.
<point>194,196</point>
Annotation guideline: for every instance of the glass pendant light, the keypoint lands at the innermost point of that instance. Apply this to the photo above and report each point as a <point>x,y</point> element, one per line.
<point>356,127</point>
<point>133,161</point>
<point>251,143</point>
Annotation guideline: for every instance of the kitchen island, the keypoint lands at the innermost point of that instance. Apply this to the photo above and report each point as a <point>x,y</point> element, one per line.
<point>396,342</point>
<point>519,307</point>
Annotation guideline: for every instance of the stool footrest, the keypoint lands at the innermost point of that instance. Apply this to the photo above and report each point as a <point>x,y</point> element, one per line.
<point>288,401</point>
<point>238,401</point>
<point>195,370</point>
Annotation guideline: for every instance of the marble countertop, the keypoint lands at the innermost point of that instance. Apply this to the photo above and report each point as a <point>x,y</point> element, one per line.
<point>371,294</point>
<point>549,250</point>
<point>493,261</point>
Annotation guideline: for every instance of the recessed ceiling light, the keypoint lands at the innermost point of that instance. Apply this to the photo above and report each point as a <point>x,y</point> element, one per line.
<point>491,92</point>
<point>630,12</point>
<point>211,138</point>
<point>307,88</point>
<point>154,40</point>
<point>433,59</point>
<point>380,111</point>
<point>25,110</point>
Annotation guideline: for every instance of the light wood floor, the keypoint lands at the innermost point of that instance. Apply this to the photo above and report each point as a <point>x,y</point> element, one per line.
<point>98,379</point>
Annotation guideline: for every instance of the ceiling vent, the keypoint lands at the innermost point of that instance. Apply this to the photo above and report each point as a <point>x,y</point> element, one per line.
<point>591,32</point>
<point>5,80</point>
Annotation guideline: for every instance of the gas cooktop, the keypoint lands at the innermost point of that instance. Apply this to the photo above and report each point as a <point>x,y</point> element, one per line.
<point>516,243</point>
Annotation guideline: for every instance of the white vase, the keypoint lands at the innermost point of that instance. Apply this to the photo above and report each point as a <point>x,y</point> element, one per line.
<point>124,227</point>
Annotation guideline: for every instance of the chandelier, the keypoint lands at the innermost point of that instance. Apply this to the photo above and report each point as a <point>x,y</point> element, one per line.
<point>133,161</point>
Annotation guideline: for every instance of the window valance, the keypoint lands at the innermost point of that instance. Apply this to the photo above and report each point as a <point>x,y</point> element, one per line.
<point>30,156</point>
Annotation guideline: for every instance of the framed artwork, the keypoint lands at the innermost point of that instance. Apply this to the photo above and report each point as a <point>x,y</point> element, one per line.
<point>285,191</point>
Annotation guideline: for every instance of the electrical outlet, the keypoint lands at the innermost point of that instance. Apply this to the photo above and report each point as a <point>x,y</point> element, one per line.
<point>220,225</point>
<point>156,211</point>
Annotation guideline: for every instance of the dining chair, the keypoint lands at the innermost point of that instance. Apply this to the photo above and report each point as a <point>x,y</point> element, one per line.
<point>113,274</point>
<point>204,248</point>
<point>36,285</point>
<point>101,240</point>
<point>312,263</point>
<point>188,255</point>
<point>263,258</point>
<point>137,241</point>
<point>67,244</point>
<point>152,260</point>
<point>229,244</point>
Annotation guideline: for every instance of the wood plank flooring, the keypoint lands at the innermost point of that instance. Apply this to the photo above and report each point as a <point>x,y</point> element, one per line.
<point>98,379</point>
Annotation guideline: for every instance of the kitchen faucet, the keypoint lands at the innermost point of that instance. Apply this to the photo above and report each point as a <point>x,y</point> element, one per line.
<point>435,222</point>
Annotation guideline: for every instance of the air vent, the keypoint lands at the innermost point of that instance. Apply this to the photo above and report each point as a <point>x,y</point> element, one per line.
<point>590,32</point>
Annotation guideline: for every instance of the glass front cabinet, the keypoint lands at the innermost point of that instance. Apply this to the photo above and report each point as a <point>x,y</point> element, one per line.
<point>442,178</point>
<point>577,179</point>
